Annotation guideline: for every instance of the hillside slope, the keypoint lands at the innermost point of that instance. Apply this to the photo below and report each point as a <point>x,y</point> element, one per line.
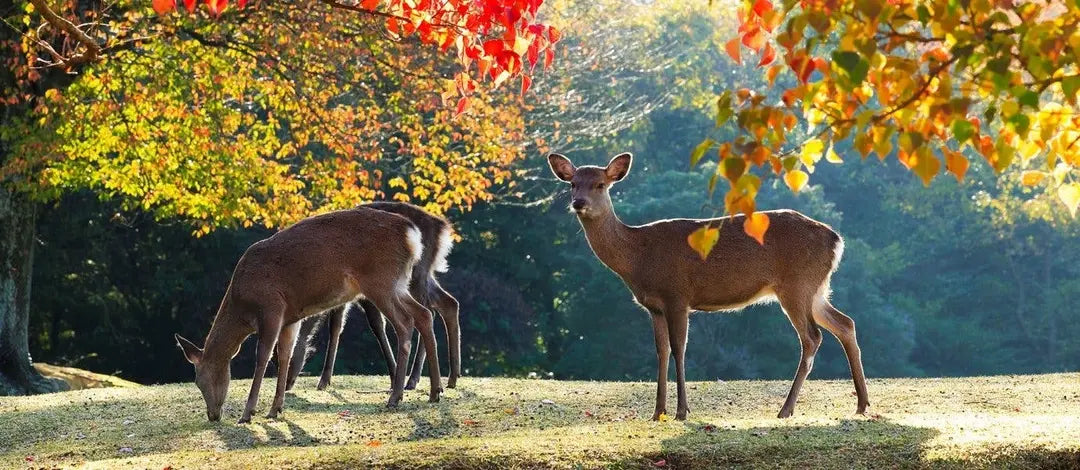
<point>1020,421</point>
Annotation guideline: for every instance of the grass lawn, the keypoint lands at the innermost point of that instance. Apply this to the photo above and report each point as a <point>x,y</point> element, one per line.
<point>1014,421</point>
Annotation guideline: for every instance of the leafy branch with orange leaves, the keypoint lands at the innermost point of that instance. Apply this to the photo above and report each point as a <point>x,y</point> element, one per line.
<point>933,84</point>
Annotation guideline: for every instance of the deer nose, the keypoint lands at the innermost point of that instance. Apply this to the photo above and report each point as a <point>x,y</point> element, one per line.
<point>578,204</point>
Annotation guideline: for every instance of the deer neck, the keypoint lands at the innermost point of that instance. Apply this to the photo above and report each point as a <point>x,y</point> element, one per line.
<point>610,240</point>
<point>226,335</point>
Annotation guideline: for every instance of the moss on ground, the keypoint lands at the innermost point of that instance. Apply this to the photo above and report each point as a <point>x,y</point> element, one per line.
<point>1007,421</point>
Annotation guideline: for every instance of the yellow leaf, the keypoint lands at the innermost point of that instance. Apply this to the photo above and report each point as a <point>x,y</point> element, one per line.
<point>832,157</point>
<point>1032,178</point>
<point>662,418</point>
<point>703,239</point>
<point>796,179</point>
<point>811,153</point>
<point>1070,195</point>
<point>756,225</point>
<point>926,165</point>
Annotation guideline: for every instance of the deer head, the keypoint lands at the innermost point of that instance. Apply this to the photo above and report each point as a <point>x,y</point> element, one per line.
<point>589,184</point>
<point>211,375</point>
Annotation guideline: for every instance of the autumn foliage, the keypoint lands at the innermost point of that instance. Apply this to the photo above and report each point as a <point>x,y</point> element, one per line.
<point>933,84</point>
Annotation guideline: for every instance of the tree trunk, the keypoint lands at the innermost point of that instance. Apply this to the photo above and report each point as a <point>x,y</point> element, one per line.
<point>17,375</point>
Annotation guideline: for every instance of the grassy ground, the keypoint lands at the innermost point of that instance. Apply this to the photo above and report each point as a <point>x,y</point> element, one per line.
<point>1017,421</point>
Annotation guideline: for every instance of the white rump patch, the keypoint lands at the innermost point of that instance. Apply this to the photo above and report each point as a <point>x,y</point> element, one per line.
<point>416,250</point>
<point>823,293</point>
<point>442,250</point>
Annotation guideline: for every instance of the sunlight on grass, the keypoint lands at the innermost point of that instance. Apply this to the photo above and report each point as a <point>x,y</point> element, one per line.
<point>499,423</point>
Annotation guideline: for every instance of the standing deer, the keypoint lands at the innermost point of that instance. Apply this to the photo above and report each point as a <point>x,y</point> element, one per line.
<point>436,239</point>
<point>669,279</point>
<point>316,264</point>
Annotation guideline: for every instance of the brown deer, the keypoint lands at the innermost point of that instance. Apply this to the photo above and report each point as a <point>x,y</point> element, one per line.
<point>316,264</point>
<point>669,279</point>
<point>436,238</point>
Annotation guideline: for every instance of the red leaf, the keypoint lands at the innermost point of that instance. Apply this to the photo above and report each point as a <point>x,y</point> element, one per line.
<point>762,6</point>
<point>549,55</point>
<point>534,53</point>
<point>162,7</point>
<point>470,422</point>
<point>461,105</point>
<point>369,4</point>
<point>767,55</point>
<point>493,47</point>
<point>29,458</point>
<point>189,5</point>
<point>526,82</point>
<point>732,48</point>
<point>217,6</point>
<point>241,3</point>
<point>660,463</point>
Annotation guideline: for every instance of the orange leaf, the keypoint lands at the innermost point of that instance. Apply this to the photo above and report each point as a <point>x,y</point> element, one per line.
<point>771,74</point>
<point>162,7</point>
<point>1032,178</point>
<point>754,39</point>
<point>369,4</point>
<point>703,239</point>
<point>761,7</point>
<point>756,225</point>
<point>767,57</point>
<point>470,422</point>
<point>732,48</point>
<point>956,164</point>
<point>796,179</point>
<point>374,443</point>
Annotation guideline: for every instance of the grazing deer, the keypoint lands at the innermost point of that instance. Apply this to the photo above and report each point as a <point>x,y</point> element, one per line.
<point>669,279</point>
<point>436,239</point>
<point>316,264</point>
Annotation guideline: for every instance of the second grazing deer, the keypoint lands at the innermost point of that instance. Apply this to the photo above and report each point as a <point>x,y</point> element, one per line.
<point>436,241</point>
<point>670,279</point>
<point>314,265</point>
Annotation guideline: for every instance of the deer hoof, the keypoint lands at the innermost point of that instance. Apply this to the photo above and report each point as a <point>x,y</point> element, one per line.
<point>681,415</point>
<point>452,382</point>
<point>411,385</point>
<point>656,415</point>
<point>395,398</point>
<point>244,420</point>
<point>785,413</point>
<point>433,399</point>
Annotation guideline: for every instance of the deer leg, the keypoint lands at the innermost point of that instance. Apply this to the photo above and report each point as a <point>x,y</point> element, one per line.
<point>308,328</point>
<point>285,343</point>
<point>663,355</point>
<point>417,366</point>
<point>335,323</point>
<point>268,336</point>
<point>799,311</point>
<point>449,308</point>
<point>678,319</point>
<point>843,327</point>
<point>377,323</point>
<point>403,328</point>
<point>426,324</point>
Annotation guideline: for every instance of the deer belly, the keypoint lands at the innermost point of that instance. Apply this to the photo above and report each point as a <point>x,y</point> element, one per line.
<point>347,292</point>
<point>765,295</point>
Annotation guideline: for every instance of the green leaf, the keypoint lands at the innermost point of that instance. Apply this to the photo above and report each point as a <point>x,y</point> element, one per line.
<point>962,130</point>
<point>723,108</point>
<point>1029,98</point>
<point>700,150</point>
<point>853,65</point>
<point>1070,85</point>
<point>924,14</point>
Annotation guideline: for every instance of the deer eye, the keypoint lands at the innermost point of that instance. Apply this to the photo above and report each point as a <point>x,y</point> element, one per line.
<point>573,185</point>
<point>599,185</point>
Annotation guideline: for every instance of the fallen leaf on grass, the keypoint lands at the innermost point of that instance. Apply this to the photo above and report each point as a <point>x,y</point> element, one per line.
<point>660,463</point>
<point>29,458</point>
<point>374,443</point>
<point>511,411</point>
<point>547,401</point>
<point>662,418</point>
<point>709,428</point>
<point>344,413</point>
<point>588,413</point>
<point>470,422</point>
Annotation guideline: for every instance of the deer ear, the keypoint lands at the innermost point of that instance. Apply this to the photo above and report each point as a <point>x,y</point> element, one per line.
<point>191,352</point>
<point>619,166</point>
<point>562,167</point>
